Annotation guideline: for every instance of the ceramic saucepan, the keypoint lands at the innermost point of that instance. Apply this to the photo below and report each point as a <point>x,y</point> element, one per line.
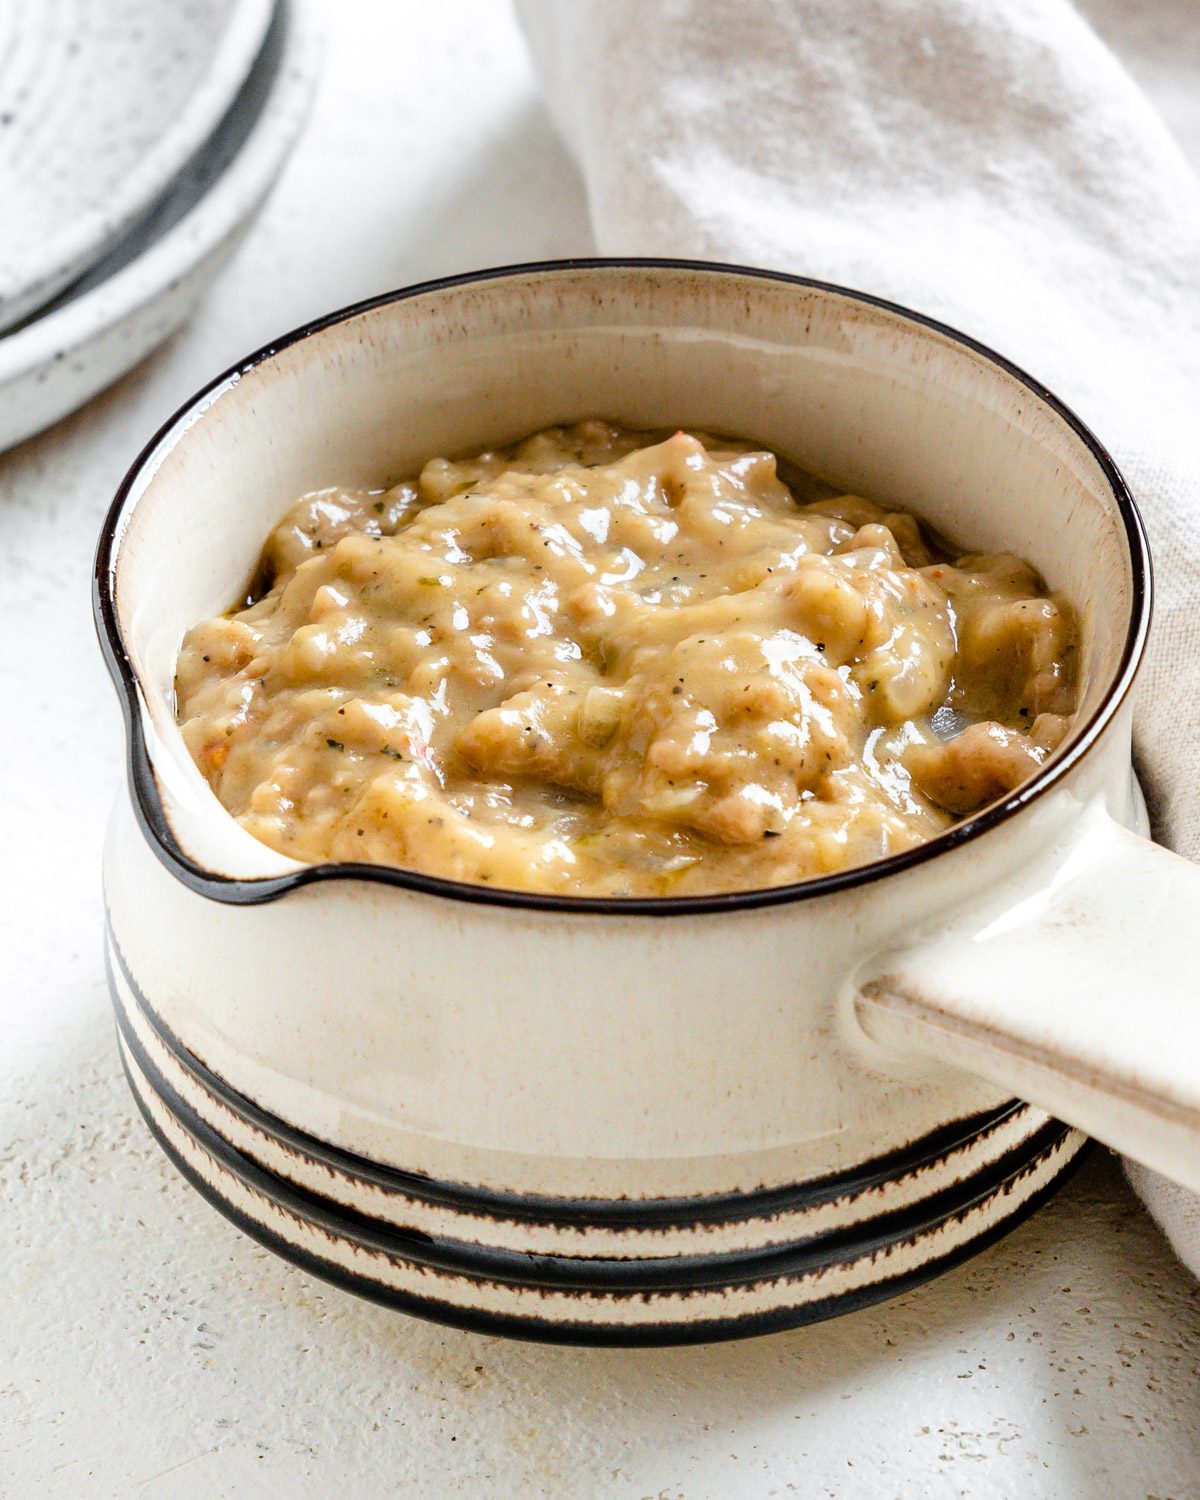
<point>658,1120</point>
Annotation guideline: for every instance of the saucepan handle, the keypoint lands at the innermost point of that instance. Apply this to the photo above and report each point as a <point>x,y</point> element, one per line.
<point>1083,999</point>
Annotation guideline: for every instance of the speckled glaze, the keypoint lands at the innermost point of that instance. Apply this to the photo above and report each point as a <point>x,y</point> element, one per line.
<point>151,278</point>
<point>100,108</point>
<point>662,1120</point>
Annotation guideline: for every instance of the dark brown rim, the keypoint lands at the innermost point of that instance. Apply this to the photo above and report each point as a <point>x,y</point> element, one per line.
<point>144,788</point>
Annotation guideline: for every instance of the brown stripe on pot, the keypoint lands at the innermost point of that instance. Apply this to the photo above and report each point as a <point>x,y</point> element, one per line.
<point>779,1298</point>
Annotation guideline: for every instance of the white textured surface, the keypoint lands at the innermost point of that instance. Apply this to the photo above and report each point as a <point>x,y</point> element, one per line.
<point>147,1347</point>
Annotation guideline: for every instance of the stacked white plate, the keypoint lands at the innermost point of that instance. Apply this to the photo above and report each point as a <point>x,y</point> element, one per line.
<point>137,140</point>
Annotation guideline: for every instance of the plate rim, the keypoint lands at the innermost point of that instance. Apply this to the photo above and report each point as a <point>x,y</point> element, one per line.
<point>219,211</point>
<point>86,238</point>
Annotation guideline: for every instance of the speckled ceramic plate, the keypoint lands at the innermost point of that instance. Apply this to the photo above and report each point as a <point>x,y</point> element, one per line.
<point>101,106</point>
<point>149,283</point>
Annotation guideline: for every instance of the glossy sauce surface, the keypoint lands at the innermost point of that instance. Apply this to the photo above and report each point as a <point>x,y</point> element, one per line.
<point>602,662</point>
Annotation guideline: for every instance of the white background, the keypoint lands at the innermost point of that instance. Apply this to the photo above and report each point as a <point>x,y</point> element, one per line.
<point>146,1347</point>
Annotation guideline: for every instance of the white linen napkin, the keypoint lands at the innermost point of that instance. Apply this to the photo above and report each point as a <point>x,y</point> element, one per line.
<point>986,161</point>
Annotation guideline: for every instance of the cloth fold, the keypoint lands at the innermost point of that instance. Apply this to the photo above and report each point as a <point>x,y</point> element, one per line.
<point>992,164</point>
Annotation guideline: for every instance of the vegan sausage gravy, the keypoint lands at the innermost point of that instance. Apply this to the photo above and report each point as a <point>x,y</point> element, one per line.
<point>601,662</point>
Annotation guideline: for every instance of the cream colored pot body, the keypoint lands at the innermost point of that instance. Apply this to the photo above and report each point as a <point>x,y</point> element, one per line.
<point>628,1056</point>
